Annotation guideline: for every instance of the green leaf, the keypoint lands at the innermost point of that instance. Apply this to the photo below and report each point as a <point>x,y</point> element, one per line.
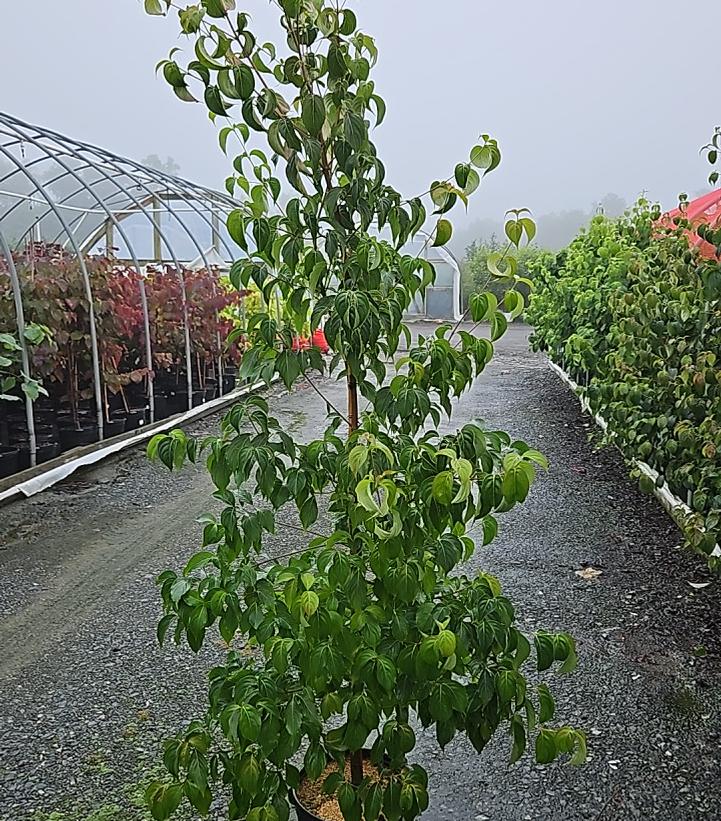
<point>365,499</point>
<point>249,721</point>
<point>544,650</point>
<point>154,7</point>
<point>313,114</point>
<point>357,458</point>
<point>309,602</point>
<point>545,746</point>
<point>315,760</point>
<point>236,228</point>
<point>472,183</point>
<point>518,732</point>
<point>34,334</point>
<point>163,799</point>
<point>163,626</point>
<point>514,232</point>
<point>480,306</point>
<point>490,529</point>
<point>499,325</point>
<point>580,755</point>
<point>442,487</point>
<point>547,704</point>
<point>308,512</point>
<point>197,561</point>
<point>385,673</point>
<point>515,484</point>
<point>214,101</point>
<point>288,366</point>
<point>354,130</point>
<point>461,174</point>
<point>536,456</point>
<point>380,108</point>
<point>179,589</point>
<point>444,231</point>
<point>249,774</point>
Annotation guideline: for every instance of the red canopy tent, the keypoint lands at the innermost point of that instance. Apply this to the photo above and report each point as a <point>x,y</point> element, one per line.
<point>705,210</point>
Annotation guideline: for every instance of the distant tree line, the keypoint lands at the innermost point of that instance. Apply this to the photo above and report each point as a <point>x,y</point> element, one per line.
<point>555,230</point>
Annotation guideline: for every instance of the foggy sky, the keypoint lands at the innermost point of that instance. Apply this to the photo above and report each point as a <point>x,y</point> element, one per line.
<point>584,98</point>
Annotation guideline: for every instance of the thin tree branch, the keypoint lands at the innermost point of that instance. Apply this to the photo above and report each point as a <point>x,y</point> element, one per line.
<point>325,399</point>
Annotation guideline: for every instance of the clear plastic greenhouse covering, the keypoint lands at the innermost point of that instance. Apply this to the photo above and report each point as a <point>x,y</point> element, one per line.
<point>95,215</point>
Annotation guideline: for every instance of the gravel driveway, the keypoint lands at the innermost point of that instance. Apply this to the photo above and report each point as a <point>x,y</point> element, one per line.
<point>87,694</point>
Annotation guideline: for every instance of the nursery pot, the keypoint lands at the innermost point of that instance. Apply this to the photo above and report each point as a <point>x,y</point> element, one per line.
<point>229,380</point>
<point>178,400</point>
<point>47,448</point>
<point>115,427</point>
<point>8,461</point>
<point>136,394</point>
<point>133,419</point>
<point>115,402</point>
<point>162,408</point>
<point>303,812</point>
<point>19,421</point>
<point>75,437</point>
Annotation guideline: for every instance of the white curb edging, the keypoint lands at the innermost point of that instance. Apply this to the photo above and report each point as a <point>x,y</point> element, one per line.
<point>51,477</point>
<point>664,494</point>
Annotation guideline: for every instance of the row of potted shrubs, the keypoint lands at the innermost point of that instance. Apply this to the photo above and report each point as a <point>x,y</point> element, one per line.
<point>58,428</point>
<point>54,297</point>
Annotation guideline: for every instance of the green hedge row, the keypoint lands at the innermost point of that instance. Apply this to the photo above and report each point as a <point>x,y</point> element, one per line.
<point>633,313</point>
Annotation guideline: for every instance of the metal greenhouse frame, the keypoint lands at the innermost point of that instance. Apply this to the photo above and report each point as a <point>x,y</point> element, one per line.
<point>101,190</point>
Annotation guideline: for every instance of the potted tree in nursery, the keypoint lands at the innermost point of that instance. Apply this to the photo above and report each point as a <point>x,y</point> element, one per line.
<point>340,652</point>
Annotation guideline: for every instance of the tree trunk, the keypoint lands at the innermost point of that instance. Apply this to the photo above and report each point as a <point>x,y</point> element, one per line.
<point>356,758</point>
<point>356,768</point>
<point>352,404</point>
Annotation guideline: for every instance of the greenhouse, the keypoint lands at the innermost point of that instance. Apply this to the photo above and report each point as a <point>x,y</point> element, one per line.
<point>112,291</point>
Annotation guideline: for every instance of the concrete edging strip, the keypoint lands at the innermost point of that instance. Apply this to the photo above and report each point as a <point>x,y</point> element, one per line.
<point>48,478</point>
<point>668,499</point>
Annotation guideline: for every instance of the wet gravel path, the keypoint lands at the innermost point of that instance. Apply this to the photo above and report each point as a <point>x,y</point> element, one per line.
<point>85,693</point>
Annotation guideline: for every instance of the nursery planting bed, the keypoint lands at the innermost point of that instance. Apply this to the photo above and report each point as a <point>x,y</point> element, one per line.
<point>87,694</point>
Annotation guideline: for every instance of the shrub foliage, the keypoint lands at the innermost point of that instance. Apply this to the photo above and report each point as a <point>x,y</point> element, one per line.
<point>633,313</point>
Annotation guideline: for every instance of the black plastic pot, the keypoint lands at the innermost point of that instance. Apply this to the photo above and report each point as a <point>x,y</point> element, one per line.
<point>305,814</point>
<point>115,427</point>
<point>136,394</point>
<point>72,437</point>
<point>18,416</point>
<point>46,450</point>
<point>115,402</point>
<point>167,380</point>
<point>178,401</point>
<point>8,461</point>
<point>210,393</point>
<point>302,813</point>
<point>162,409</point>
<point>85,419</point>
<point>229,382</point>
<point>133,419</point>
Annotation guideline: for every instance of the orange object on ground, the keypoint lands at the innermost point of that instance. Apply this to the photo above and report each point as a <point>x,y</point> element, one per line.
<point>319,341</point>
